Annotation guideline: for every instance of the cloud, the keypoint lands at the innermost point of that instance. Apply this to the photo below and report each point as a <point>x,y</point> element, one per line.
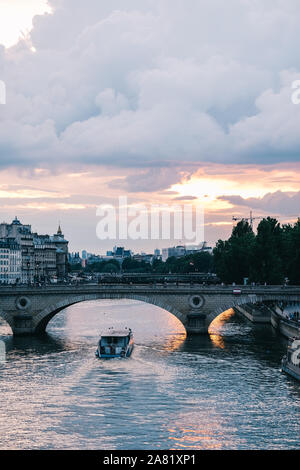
<point>276,203</point>
<point>185,198</point>
<point>149,181</point>
<point>28,192</point>
<point>152,85</point>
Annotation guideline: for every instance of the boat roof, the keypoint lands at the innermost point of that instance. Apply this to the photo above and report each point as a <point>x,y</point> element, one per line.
<point>113,332</point>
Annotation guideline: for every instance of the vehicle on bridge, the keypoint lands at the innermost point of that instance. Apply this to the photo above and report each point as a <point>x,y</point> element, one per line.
<point>291,362</point>
<point>115,343</point>
<point>237,291</point>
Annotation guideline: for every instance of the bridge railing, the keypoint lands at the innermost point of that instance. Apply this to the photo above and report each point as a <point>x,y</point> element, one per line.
<point>157,286</point>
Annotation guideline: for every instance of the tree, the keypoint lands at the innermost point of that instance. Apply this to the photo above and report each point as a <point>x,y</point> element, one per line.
<point>132,265</point>
<point>292,252</point>
<point>104,267</point>
<point>111,268</point>
<point>267,265</point>
<point>232,258</point>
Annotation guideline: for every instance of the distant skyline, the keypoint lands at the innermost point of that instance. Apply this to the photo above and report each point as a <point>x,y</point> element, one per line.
<point>152,100</point>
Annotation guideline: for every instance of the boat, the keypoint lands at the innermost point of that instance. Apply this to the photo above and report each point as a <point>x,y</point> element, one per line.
<point>287,324</point>
<point>115,343</point>
<point>291,362</point>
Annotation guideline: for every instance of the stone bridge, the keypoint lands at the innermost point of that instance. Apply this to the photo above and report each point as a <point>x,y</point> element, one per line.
<point>28,310</point>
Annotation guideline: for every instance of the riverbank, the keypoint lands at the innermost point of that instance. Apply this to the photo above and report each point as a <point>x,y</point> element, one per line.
<point>288,328</point>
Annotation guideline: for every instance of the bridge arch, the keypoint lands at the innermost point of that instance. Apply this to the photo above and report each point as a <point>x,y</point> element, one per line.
<point>229,303</point>
<point>253,299</point>
<point>45,316</point>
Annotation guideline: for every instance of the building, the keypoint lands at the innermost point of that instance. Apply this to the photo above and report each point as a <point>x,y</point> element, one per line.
<point>143,258</point>
<point>10,262</point>
<point>23,236</point>
<point>61,244</point>
<point>92,259</point>
<point>180,251</point>
<point>191,249</point>
<point>42,256</point>
<point>175,251</point>
<point>74,258</point>
<point>119,253</point>
<point>45,254</point>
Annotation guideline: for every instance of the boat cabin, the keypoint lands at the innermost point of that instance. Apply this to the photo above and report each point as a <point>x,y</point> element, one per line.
<point>115,342</point>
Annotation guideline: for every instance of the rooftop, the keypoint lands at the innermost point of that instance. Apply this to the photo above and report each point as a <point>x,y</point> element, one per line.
<point>113,332</point>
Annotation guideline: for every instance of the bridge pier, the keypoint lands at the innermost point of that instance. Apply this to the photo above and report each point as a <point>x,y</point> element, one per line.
<point>196,324</point>
<point>23,325</point>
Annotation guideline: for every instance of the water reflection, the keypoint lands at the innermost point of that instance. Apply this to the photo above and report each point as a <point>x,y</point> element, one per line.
<point>218,323</point>
<point>217,326</point>
<point>39,345</point>
<point>175,342</point>
<point>214,392</point>
<point>208,433</point>
<point>217,341</point>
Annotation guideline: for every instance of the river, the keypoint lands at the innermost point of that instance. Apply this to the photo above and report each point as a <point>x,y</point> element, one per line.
<point>224,391</point>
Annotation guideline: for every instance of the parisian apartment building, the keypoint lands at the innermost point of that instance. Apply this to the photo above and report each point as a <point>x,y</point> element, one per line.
<point>26,257</point>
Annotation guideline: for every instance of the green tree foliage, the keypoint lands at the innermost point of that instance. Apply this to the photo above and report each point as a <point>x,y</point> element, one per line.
<point>291,236</point>
<point>232,258</point>
<point>135,266</point>
<point>198,262</point>
<point>267,264</point>
<point>74,267</point>
<point>270,256</point>
<point>111,266</point>
<point>201,262</point>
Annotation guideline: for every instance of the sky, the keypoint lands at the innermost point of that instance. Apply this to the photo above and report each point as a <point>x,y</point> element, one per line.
<point>154,100</point>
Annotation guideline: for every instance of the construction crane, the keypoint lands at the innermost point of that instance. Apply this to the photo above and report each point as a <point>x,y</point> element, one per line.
<point>248,219</point>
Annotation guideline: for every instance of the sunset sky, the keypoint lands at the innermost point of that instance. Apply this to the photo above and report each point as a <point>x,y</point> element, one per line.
<point>157,100</point>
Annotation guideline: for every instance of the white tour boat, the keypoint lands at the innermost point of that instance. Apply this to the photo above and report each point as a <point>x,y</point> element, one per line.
<point>115,343</point>
<point>291,362</point>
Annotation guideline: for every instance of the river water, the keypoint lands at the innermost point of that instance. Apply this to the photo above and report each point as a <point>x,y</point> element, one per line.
<point>224,391</point>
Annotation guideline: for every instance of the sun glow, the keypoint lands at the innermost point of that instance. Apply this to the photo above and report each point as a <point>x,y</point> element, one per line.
<point>209,189</point>
<point>16,18</point>
<point>209,184</point>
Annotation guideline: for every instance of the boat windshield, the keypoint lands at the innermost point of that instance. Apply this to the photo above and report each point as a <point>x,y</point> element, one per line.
<point>118,340</point>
